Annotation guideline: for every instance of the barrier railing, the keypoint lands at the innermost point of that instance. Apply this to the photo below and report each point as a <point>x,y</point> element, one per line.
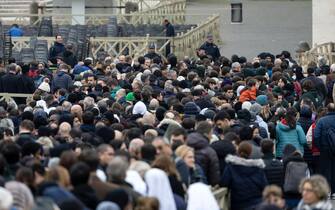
<point>8,97</point>
<point>326,50</point>
<point>144,5</point>
<point>184,44</point>
<point>187,43</point>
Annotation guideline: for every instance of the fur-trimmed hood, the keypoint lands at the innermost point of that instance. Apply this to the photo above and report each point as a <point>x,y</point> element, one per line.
<point>235,160</point>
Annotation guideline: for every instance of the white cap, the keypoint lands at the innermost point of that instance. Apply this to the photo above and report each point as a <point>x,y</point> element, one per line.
<point>78,84</point>
<point>246,105</point>
<point>239,89</point>
<point>44,86</point>
<point>180,78</point>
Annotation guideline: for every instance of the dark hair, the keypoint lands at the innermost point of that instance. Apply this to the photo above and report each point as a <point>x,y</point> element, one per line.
<point>232,137</point>
<point>148,152</point>
<point>245,133</point>
<point>290,117</point>
<point>11,152</point>
<point>308,85</point>
<point>79,173</point>
<point>91,158</point>
<point>267,146</point>
<point>204,128</point>
<point>88,117</point>
<point>222,115</point>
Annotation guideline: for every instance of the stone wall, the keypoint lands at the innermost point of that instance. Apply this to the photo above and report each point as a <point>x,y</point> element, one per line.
<point>323,21</point>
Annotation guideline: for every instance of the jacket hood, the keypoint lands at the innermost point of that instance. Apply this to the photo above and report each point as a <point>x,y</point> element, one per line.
<point>283,127</point>
<point>197,141</point>
<point>235,160</point>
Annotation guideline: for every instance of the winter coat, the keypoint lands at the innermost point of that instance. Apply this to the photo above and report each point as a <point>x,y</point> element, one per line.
<point>222,149</point>
<point>9,84</point>
<point>205,156</point>
<point>87,195</point>
<point>69,58</point>
<point>321,205</point>
<point>274,169</point>
<point>62,80</point>
<point>56,50</point>
<point>285,135</point>
<point>246,180</point>
<point>176,186</point>
<point>248,95</point>
<point>320,132</point>
<point>211,49</point>
<point>27,83</point>
<point>319,84</point>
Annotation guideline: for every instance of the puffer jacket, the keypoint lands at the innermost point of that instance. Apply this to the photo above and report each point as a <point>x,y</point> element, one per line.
<point>246,180</point>
<point>248,95</point>
<point>285,135</point>
<point>205,156</point>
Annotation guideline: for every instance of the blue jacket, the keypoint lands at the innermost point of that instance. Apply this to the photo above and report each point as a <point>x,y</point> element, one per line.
<point>246,180</point>
<point>62,80</point>
<point>285,135</point>
<point>14,31</point>
<point>320,132</point>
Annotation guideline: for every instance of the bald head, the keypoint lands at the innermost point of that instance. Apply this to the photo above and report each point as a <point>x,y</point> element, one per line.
<point>331,107</point>
<point>64,129</point>
<point>77,110</point>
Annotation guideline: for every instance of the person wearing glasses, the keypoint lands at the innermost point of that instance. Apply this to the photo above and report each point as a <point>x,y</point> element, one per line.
<point>314,192</point>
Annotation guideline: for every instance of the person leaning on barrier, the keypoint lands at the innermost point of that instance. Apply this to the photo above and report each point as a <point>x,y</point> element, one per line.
<point>210,48</point>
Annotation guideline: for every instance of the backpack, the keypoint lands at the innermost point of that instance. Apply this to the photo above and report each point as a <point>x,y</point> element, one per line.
<point>331,139</point>
<point>295,172</point>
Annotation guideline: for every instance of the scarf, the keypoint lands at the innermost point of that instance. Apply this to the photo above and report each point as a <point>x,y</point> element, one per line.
<point>322,205</point>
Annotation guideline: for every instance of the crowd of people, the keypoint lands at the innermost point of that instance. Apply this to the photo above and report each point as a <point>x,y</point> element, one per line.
<point>156,133</point>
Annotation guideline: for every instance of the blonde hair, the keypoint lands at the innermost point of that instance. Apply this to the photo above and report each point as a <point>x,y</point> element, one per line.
<point>272,190</point>
<point>60,175</point>
<point>319,184</point>
<point>182,151</point>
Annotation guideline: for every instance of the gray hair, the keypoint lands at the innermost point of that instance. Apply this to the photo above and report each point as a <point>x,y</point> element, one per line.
<point>117,169</point>
<point>319,185</point>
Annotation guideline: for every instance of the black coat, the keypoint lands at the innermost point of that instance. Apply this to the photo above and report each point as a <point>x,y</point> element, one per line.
<point>56,50</point>
<point>274,170</point>
<point>327,158</point>
<point>86,195</point>
<point>205,156</point>
<point>211,49</point>
<point>246,180</point>
<point>222,149</point>
<point>10,83</point>
<point>70,58</point>
<point>169,30</point>
<point>27,83</point>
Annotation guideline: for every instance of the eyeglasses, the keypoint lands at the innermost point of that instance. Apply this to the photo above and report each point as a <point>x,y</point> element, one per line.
<point>307,190</point>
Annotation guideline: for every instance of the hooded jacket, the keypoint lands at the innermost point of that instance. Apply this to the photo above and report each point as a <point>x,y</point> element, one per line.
<point>205,156</point>
<point>246,180</point>
<point>285,135</point>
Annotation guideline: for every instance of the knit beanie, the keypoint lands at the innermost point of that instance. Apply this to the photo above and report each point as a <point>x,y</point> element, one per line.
<point>130,97</point>
<point>191,108</point>
<point>262,100</point>
<point>45,87</point>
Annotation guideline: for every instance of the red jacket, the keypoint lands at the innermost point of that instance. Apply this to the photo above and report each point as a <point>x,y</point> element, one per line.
<point>248,95</point>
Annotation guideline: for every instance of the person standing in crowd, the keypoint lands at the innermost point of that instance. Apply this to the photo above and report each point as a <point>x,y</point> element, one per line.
<point>245,178</point>
<point>57,49</point>
<point>15,31</point>
<point>289,132</point>
<point>210,48</point>
<point>314,192</point>
<point>169,32</point>
<point>324,139</point>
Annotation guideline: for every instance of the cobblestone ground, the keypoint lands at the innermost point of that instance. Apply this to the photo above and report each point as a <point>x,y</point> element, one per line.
<point>268,25</point>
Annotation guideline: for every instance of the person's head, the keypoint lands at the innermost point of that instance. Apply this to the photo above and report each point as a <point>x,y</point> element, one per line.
<point>59,175</point>
<point>244,150</point>
<point>290,117</point>
<point>68,159</point>
<point>165,22</point>
<point>210,38</point>
<point>64,68</point>
<point>135,146</point>
<point>205,128</point>
<point>12,68</point>
<point>267,146</point>
<point>11,152</point>
<point>273,194</point>
<point>59,39</point>
<point>178,135</point>
<point>187,154</point>
<point>314,189</point>
<point>117,169</point>
<point>88,118</point>
<point>161,146</point>
<point>79,173</point>
<point>331,107</point>
<point>166,164</point>
<point>106,154</point>
<point>222,120</point>
<point>90,157</point>
<point>147,203</point>
<point>27,126</point>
